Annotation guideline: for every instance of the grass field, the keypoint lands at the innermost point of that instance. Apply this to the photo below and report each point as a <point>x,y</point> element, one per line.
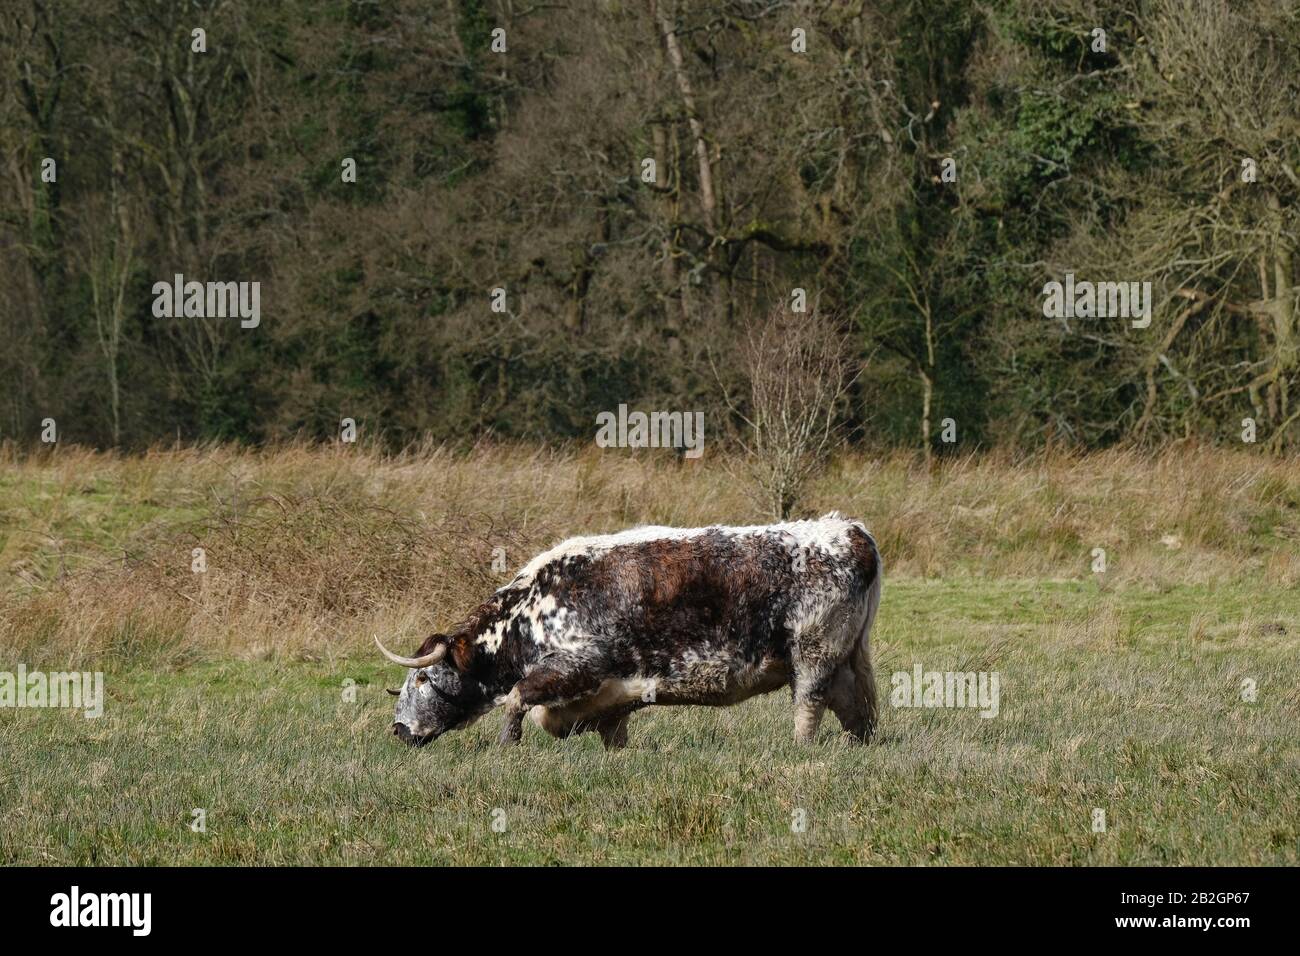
<point>230,690</point>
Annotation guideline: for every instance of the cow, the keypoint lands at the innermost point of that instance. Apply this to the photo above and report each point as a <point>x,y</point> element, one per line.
<point>599,627</point>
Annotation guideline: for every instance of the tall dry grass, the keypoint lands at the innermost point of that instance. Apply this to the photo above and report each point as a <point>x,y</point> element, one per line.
<point>311,549</point>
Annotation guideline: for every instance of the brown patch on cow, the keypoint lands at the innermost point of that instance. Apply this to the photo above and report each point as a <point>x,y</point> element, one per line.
<point>463,652</point>
<point>681,590</point>
<point>864,552</point>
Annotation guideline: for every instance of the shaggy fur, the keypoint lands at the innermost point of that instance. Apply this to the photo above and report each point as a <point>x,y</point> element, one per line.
<point>599,627</point>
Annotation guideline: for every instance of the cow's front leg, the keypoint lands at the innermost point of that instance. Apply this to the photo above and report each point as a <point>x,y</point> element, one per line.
<point>512,731</point>
<point>551,682</point>
<point>613,730</point>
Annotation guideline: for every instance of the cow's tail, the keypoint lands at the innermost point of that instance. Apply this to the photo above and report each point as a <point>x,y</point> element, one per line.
<point>861,658</point>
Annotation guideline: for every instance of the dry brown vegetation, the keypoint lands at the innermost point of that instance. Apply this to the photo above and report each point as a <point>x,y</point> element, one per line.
<point>311,549</point>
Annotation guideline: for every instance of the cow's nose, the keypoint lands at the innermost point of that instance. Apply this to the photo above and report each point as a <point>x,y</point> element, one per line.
<point>402,732</point>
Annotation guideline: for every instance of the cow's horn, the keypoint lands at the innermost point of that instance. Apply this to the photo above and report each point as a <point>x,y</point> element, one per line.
<point>435,655</point>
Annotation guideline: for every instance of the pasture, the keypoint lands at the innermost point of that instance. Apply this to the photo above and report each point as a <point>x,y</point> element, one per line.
<point>1164,691</point>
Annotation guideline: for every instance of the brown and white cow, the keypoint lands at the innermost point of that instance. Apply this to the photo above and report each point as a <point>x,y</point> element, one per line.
<point>599,627</point>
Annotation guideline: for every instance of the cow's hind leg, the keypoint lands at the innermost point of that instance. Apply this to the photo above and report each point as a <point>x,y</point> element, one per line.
<point>849,703</point>
<point>551,682</point>
<point>807,718</point>
<point>814,674</point>
<point>809,706</point>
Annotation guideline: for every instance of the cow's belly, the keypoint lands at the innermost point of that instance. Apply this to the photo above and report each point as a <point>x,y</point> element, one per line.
<point>717,684</point>
<point>707,683</point>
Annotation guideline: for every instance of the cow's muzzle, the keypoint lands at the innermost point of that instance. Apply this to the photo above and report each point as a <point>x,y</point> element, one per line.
<point>403,733</point>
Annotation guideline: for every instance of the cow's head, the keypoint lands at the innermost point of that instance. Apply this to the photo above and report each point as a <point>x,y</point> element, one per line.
<point>439,694</point>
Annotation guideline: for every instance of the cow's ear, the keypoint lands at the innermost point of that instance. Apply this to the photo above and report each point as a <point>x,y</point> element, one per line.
<point>430,642</point>
<point>462,652</point>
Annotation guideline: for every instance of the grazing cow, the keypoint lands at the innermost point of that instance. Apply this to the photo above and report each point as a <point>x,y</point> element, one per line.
<point>599,627</point>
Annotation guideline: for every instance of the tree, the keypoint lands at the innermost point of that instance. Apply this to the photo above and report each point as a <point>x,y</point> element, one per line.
<point>799,374</point>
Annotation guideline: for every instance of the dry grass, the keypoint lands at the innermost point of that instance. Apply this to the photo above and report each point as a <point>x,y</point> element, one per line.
<point>310,549</point>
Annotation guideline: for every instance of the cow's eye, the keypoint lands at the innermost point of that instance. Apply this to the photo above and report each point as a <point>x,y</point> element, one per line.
<point>422,678</point>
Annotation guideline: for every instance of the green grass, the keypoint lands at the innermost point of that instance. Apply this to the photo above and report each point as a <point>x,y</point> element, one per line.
<point>1128,700</point>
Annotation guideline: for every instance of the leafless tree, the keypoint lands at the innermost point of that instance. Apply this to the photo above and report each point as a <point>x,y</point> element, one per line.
<point>799,375</point>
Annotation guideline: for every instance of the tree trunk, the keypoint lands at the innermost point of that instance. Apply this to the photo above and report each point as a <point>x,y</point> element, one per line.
<point>1284,333</point>
<point>927,399</point>
<point>707,201</point>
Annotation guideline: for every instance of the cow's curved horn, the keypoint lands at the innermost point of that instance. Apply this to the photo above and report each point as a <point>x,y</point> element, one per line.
<point>435,655</point>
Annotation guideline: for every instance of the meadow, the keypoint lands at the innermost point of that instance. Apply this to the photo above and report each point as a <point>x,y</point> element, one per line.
<point>1164,690</point>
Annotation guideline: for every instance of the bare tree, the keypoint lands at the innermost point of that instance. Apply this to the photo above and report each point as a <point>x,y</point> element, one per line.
<point>108,261</point>
<point>799,374</point>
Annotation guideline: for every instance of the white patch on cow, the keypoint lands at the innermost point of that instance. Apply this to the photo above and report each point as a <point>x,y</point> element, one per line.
<point>551,626</point>
<point>491,639</point>
<point>614,692</point>
<point>811,610</point>
<point>628,689</point>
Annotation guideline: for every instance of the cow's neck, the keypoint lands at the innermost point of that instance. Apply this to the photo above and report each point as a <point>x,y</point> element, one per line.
<point>518,649</point>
